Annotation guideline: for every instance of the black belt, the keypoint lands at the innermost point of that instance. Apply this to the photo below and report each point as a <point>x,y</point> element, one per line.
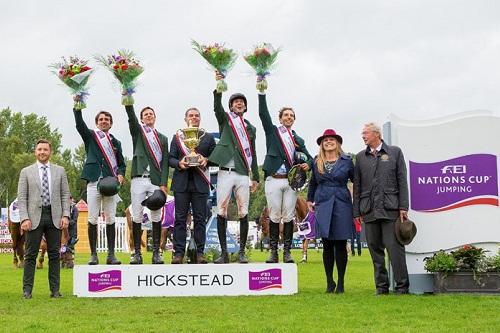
<point>227,169</point>
<point>142,176</point>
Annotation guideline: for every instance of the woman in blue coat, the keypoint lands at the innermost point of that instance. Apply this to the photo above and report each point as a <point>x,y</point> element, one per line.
<point>331,201</point>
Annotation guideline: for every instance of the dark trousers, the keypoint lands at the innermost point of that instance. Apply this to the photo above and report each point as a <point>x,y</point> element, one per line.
<point>33,239</point>
<point>380,235</point>
<point>198,203</point>
<point>356,238</point>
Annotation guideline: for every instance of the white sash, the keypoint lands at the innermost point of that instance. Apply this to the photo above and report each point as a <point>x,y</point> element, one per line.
<point>240,132</point>
<point>205,174</point>
<point>287,142</point>
<point>104,142</point>
<point>153,143</point>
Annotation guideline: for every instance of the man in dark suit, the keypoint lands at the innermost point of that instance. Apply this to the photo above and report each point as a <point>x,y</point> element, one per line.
<point>235,155</point>
<point>104,159</point>
<point>380,197</point>
<point>43,197</point>
<point>149,173</point>
<point>283,145</point>
<point>191,186</point>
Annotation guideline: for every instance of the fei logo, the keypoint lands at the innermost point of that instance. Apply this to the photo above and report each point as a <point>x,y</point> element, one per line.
<point>458,182</point>
<point>104,281</point>
<point>266,279</point>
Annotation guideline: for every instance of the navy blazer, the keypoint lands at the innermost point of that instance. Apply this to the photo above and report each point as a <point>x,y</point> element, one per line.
<point>180,177</point>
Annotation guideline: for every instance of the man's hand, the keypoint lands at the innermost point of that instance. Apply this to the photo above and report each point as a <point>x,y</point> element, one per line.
<point>253,186</point>
<point>219,76</point>
<point>403,215</point>
<point>203,161</point>
<point>64,222</point>
<point>164,189</point>
<point>121,180</point>
<point>183,164</point>
<point>310,206</point>
<point>26,225</point>
<point>304,166</point>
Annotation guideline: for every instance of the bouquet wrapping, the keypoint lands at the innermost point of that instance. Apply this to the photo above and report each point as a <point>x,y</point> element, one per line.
<point>126,68</point>
<point>220,58</point>
<point>75,74</point>
<point>262,59</point>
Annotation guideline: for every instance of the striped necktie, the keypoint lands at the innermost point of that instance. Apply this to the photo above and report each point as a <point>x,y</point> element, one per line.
<point>45,186</point>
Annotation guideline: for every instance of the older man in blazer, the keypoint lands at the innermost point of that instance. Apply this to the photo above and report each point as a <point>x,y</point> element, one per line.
<point>43,197</point>
<point>191,186</point>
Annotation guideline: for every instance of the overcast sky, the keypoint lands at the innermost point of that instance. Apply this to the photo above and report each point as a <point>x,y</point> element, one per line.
<point>343,62</point>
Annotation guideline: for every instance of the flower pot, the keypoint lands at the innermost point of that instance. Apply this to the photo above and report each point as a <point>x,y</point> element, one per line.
<point>466,282</point>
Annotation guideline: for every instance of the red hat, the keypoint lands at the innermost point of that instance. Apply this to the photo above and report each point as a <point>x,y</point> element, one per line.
<point>329,133</point>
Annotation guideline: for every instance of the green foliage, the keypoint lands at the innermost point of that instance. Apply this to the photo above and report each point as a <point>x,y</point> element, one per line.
<point>467,257</point>
<point>440,262</point>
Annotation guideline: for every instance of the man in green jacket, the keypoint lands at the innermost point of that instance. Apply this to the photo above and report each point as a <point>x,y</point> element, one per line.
<point>104,159</point>
<point>237,160</point>
<point>149,173</point>
<point>283,147</point>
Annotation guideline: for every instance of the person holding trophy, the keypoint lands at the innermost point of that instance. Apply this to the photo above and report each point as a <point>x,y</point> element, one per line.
<point>237,160</point>
<point>149,173</point>
<point>189,151</point>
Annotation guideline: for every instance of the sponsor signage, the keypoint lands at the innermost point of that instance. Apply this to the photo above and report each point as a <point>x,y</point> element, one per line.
<point>184,280</point>
<point>453,183</point>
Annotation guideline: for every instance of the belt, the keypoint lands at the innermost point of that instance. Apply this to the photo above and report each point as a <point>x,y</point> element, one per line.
<point>142,176</point>
<point>226,169</point>
<point>279,176</point>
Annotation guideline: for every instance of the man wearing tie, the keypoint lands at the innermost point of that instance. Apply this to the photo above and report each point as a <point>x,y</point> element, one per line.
<point>43,197</point>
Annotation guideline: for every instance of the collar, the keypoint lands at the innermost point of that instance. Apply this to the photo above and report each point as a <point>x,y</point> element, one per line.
<point>40,165</point>
<point>381,146</point>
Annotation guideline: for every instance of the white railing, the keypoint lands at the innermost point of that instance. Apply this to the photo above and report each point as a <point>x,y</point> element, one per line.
<point>121,238</point>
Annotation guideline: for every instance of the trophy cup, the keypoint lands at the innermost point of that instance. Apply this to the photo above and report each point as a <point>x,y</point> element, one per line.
<point>191,138</point>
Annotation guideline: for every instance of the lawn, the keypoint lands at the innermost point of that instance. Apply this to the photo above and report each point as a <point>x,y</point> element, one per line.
<point>311,310</point>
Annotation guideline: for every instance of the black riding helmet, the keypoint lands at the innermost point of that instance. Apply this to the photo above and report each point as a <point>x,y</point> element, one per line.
<point>155,201</point>
<point>238,96</point>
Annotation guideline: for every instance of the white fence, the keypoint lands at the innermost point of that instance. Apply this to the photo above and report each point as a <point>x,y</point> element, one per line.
<point>121,239</point>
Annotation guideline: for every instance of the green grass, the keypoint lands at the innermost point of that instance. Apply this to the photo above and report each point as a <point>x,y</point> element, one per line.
<point>311,310</point>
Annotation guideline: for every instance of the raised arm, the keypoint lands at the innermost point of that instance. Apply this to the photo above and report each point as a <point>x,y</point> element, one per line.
<point>133,122</point>
<point>264,116</point>
<point>81,126</point>
<point>220,114</point>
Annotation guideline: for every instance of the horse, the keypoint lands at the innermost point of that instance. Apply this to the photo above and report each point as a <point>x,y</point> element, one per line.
<point>128,216</point>
<point>66,255</point>
<point>18,240</point>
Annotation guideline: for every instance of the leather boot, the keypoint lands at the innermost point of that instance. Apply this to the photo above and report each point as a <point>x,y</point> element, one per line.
<point>287,243</point>
<point>221,232</point>
<point>92,232</point>
<point>243,239</point>
<point>110,235</point>
<point>157,259</point>
<point>137,236</point>
<point>274,235</point>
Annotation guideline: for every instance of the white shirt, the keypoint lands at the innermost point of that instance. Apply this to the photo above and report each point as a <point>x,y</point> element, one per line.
<point>40,174</point>
<point>376,150</point>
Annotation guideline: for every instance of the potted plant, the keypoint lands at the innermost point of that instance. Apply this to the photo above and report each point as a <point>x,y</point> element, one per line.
<point>467,269</point>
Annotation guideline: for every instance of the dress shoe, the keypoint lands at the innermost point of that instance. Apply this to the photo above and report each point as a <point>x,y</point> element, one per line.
<point>94,260</point>
<point>402,292</point>
<point>242,258</point>
<point>340,289</point>
<point>177,259</point>
<point>27,295</point>
<point>330,288</point>
<point>55,294</point>
<point>380,292</point>
<point>136,259</point>
<point>200,259</point>
<point>111,259</point>
<point>223,259</point>
<point>273,257</point>
<point>157,259</point>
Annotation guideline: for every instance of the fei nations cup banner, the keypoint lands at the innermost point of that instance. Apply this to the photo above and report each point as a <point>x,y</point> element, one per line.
<point>184,280</point>
<point>450,184</point>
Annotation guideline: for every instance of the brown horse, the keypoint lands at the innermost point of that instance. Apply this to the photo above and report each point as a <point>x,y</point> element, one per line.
<point>67,258</point>
<point>300,214</point>
<point>130,235</point>
<point>18,239</point>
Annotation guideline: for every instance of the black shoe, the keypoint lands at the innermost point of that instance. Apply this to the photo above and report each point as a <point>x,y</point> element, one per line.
<point>243,258</point>
<point>177,259</point>
<point>94,260</point>
<point>55,294</point>
<point>380,292</point>
<point>111,259</point>
<point>273,257</point>
<point>136,259</point>
<point>340,289</point>
<point>330,288</point>
<point>27,295</point>
<point>157,258</point>
<point>402,292</point>
<point>200,259</point>
<point>223,259</point>
<point>287,257</point>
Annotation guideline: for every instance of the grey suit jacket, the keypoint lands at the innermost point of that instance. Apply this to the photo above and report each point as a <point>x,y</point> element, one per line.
<point>29,195</point>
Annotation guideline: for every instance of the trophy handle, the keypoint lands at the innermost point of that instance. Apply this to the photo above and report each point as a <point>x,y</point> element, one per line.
<point>202,135</point>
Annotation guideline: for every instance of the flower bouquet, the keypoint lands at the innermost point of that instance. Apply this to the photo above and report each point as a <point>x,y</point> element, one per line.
<point>75,74</point>
<point>262,59</point>
<point>219,57</point>
<point>126,69</point>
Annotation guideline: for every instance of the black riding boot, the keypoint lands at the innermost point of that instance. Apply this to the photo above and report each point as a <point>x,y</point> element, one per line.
<point>274,235</point>
<point>221,232</point>
<point>92,232</point>
<point>243,239</point>
<point>157,259</point>
<point>328,263</point>
<point>137,236</point>
<point>341,261</point>
<point>110,235</point>
<point>287,243</point>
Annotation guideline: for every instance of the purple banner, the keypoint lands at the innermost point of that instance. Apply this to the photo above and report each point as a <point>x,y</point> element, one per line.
<point>104,281</point>
<point>458,182</point>
<point>266,279</point>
